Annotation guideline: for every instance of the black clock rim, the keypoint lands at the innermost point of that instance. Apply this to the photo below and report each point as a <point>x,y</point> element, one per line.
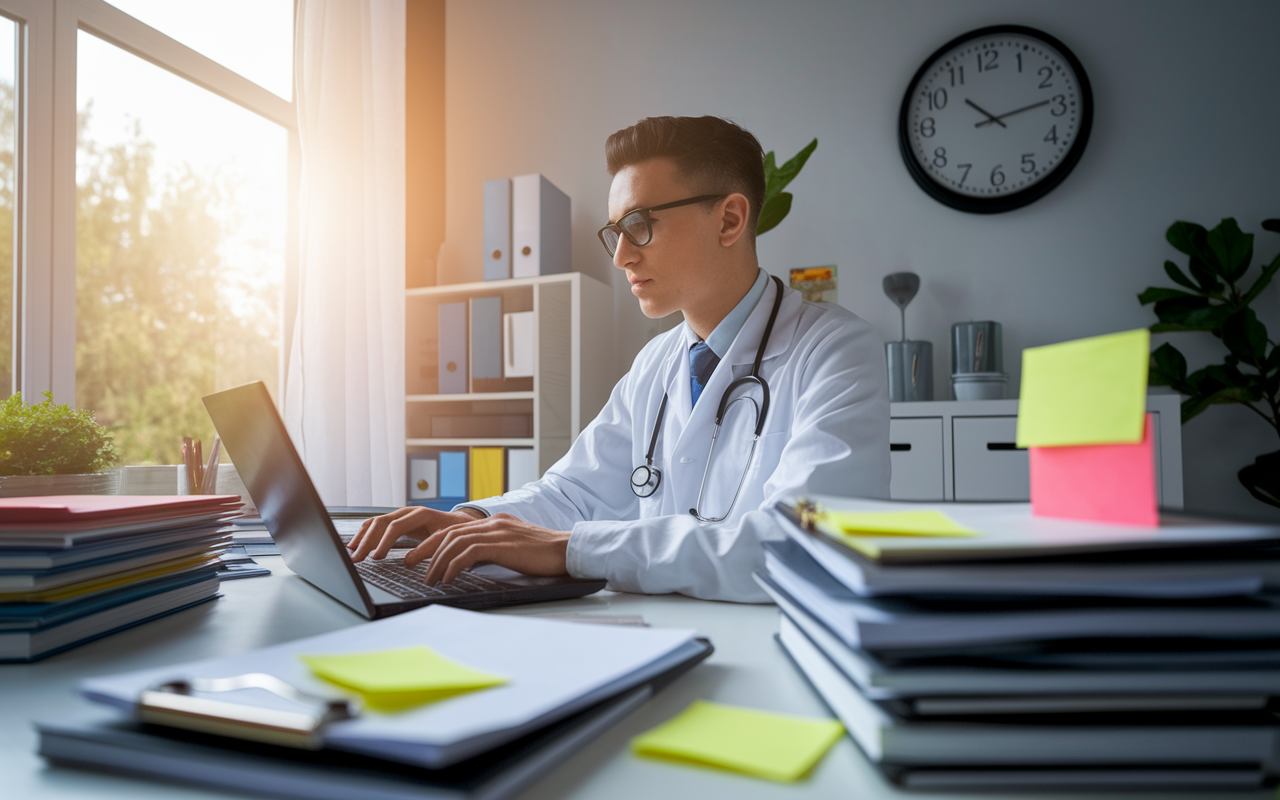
<point>996,205</point>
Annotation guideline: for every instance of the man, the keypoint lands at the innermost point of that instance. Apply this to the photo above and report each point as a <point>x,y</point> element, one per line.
<point>683,206</point>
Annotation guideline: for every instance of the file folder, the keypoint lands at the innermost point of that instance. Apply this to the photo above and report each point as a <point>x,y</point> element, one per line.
<point>517,340</point>
<point>424,478</point>
<point>486,344</point>
<point>522,467</point>
<point>453,348</point>
<point>540,227</point>
<point>453,474</point>
<point>497,229</point>
<point>486,472</point>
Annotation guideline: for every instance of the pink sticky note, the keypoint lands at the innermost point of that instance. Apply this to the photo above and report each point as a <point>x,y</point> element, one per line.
<point>1099,482</point>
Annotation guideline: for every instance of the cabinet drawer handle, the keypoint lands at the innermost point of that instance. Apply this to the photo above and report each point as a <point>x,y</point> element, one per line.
<point>1003,446</point>
<point>899,448</point>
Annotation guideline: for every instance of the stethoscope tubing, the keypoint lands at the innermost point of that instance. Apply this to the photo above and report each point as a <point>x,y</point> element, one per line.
<point>651,477</point>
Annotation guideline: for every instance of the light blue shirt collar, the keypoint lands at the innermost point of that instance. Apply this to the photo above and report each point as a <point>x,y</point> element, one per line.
<point>727,330</point>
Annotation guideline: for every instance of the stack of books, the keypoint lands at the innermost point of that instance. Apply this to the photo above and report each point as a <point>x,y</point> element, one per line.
<point>75,568</point>
<point>1038,652</point>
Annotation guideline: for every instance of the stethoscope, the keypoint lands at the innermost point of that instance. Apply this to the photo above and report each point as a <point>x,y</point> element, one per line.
<point>646,478</point>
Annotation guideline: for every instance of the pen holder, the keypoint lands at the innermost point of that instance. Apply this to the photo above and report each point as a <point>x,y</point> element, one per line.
<point>910,371</point>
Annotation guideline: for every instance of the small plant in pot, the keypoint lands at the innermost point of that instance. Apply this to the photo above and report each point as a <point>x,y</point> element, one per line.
<point>48,449</point>
<point>1216,299</point>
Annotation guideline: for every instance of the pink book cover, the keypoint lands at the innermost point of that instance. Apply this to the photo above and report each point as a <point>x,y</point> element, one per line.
<point>109,508</point>
<point>1113,483</point>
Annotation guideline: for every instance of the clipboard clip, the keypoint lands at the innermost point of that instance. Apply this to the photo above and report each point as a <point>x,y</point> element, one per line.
<point>173,703</point>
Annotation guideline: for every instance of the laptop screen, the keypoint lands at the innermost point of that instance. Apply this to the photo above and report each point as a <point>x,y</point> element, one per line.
<point>255,438</point>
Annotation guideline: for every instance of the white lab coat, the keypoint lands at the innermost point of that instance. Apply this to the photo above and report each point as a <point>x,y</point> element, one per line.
<point>827,432</point>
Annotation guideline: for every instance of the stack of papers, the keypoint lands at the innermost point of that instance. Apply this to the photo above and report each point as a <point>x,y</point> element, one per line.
<point>980,647</point>
<point>78,567</point>
<point>524,693</point>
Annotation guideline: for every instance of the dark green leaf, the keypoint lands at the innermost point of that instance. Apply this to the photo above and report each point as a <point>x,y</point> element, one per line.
<point>1207,380</point>
<point>1204,275</point>
<point>770,167</point>
<point>1187,237</point>
<point>778,181</point>
<point>1245,337</point>
<point>1178,277</point>
<point>1273,360</point>
<point>1157,293</point>
<point>774,211</point>
<point>1191,407</point>
<point>1272,225</point>
<point>1232,249</point>
<point>1233,394</point>
<point>1268,272</point>
<point>1169,327</point>
<point>1209,319</point>
<point>1168,366</point>
<point>1177,309</point>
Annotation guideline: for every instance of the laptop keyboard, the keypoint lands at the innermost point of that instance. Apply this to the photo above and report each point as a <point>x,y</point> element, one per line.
<point>391,575</point>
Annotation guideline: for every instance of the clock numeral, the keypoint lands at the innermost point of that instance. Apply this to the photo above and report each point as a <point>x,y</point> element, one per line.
<point>997,177</point>
<point>987,64</point>
<point>940,157</point>
<point>1019,62</point>
<point>1052,135</point>
<point>1046,73</point>
<point>957,72</point>
<point>1028,163</point>
<point>927,128</point>
<point>937,99</point>
<point>966,168</point>
<point>1061,107</point>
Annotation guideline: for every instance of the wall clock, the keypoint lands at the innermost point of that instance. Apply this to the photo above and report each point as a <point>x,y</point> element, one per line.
<point>995,119</point>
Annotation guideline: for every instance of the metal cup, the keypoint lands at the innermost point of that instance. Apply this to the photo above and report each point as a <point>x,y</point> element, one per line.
<point>976,347</point>
<point>910,371</point>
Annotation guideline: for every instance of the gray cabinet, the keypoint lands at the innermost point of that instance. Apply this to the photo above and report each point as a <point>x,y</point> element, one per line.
<point>965,451</point>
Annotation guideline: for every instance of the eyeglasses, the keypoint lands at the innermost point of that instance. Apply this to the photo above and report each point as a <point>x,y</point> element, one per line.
<point>637,225</point>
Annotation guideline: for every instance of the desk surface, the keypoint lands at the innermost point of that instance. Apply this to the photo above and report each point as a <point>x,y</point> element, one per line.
<point>748,668</point>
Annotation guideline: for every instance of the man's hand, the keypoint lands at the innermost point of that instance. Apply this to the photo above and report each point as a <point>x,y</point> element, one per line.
<point>377,535</point>
<point>500,539</point>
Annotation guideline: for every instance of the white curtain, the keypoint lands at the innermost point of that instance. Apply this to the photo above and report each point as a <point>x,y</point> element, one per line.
<point>344,391</point>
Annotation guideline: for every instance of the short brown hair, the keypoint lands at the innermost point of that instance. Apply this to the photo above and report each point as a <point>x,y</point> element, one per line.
<point>714,155</point>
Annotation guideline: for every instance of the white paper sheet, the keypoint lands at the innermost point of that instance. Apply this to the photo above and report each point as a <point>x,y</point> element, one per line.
<point>554,668</point>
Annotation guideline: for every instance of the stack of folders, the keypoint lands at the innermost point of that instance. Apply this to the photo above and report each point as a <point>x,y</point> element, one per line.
<point>442,479</point>
<point>1037,652</point>
<point>75,568</point>
<point>565,684</point>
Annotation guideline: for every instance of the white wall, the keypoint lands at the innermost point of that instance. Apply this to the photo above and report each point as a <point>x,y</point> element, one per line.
<point>1187,114</point>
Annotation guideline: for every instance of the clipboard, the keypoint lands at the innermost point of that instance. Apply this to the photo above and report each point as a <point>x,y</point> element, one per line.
<point>173,704</point>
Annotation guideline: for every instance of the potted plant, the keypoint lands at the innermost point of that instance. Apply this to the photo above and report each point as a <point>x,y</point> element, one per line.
<point>47,449</point>
<point>1214,300</point>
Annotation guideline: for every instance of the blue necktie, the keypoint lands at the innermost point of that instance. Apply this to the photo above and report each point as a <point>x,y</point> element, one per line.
<point>702,362</point>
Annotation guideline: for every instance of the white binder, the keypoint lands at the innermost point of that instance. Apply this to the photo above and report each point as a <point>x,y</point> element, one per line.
<point>424,481</point>
<point>539,227</point>
<point>517,345</point>
<point>497,229</point>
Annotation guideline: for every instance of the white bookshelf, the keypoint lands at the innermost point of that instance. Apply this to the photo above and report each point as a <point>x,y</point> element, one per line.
<point>572,362</point>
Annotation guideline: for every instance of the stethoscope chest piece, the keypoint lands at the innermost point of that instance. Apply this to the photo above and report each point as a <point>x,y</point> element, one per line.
<point>645,480</point>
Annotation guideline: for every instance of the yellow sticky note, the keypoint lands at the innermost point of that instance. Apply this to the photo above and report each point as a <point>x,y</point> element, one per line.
<point>895,523</point>
<point>1089,391</point>
<point>780,747</point>
<point>397,679</point>
<point>486,472</point>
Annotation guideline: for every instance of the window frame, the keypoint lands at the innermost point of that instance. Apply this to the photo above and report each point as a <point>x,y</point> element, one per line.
<point>44,335</point>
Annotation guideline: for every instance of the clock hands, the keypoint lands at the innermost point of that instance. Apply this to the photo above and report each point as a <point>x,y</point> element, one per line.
<point>990,118</point>
<point>1009,114</point>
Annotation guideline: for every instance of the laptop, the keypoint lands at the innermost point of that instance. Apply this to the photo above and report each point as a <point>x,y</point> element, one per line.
<point>255,438</point>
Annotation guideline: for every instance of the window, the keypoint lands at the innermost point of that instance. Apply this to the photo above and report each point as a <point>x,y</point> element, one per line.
<point>145,189</point>
<point>180,219</point>
<point>8,200</point>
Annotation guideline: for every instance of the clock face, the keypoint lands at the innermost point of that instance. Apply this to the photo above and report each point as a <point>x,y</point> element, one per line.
<point>995,119</point>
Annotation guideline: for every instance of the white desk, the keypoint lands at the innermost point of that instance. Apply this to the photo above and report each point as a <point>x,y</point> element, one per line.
<point>748,668</point>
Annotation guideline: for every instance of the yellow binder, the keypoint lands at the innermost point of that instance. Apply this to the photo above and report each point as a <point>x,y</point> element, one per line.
<point>487,472</point>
